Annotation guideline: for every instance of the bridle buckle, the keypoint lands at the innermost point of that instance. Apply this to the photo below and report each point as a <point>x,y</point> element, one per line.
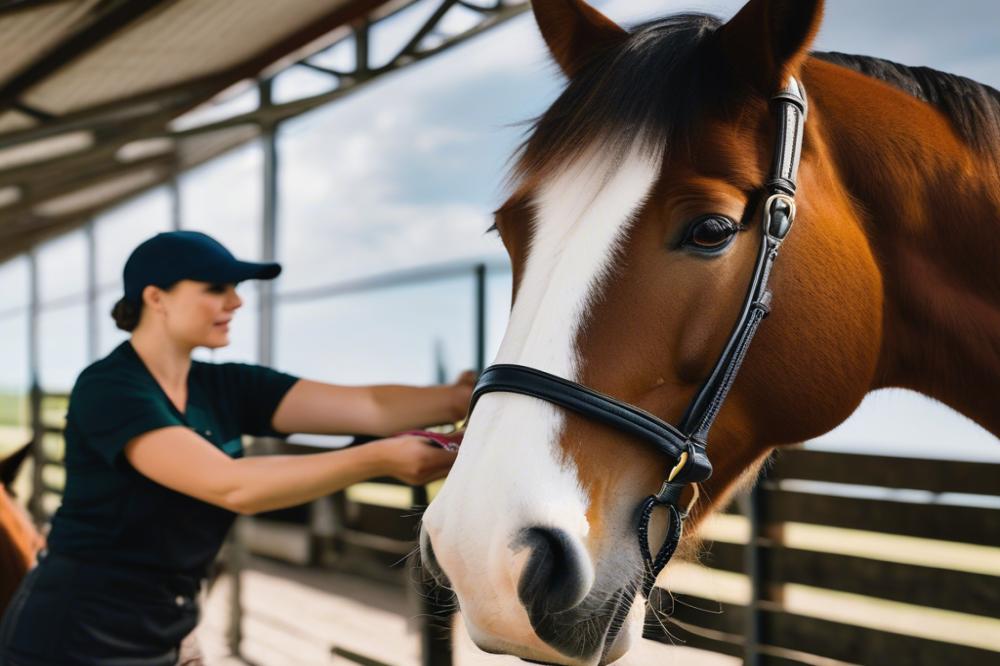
<point>678,467</point>
<point>669,491</point>
<point>779,213</point>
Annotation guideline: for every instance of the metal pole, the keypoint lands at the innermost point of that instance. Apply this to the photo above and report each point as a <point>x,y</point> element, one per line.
<point>269,234</point>
<point>362,65</point>
<point>480,323</point>
<point>92,328</point>
<point>175,202</point>
<point>37,455</point>
<point>756,567</point>
<point>236,554</point>
<point>433,605</point>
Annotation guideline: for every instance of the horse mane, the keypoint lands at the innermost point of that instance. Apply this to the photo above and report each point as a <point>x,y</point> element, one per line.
<point>972,107</point>
<point>620,99</point>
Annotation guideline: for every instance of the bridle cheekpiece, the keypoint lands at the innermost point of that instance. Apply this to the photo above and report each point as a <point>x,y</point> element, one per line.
<point>684,444</point>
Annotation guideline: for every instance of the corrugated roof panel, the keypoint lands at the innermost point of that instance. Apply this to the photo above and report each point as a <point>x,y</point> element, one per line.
<point>28,33</point>
<point>202,147</point>
<point>46,148</point>
<point>99,193</point>
<point>9,195</point>
<point>187,39</point>
<point>15,120</point>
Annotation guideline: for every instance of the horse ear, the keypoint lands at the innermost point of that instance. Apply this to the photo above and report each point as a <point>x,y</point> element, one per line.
<point>767,40</point>
<point>10,466</point>
<point>575,32</point>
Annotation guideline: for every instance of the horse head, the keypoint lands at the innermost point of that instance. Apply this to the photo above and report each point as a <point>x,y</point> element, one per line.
<point>633,227</point>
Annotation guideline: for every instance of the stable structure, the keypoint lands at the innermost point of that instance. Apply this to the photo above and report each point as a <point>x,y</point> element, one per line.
<point>833,560</point>
<point>102,99</point>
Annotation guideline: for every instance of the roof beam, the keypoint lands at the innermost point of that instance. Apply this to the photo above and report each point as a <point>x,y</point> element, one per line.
<point>147,115</point>
<point>20,213</point>
<point>120,15</point>
<point>12,6</point>
<point>187,95</point>
<point>268,115</point>
<point>36,113</point>
<point>173,99</point>
<point>108,140</point>
<point>29,237</point>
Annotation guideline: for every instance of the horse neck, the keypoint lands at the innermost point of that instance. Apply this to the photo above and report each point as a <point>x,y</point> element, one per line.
<point>930,206</point>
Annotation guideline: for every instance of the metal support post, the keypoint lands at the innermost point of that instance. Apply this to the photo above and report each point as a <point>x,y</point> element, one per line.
<point>433,603</point>
<point>755,566</point>
<point>92,314</point>
<point>37,431</point>
<point>480,323</point>
<point>175,202</point>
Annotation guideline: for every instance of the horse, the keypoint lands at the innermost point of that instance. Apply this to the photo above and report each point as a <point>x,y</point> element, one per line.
<point>633,226</point>
<point>19,540</point>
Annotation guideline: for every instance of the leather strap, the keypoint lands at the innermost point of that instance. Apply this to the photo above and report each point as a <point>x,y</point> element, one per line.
<point>685,444</point>
<point>779,211</point>
<point>587,402</point>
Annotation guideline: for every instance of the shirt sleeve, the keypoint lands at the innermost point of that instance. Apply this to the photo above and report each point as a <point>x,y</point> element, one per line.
<point>111,411</point>
<point>259,391</point>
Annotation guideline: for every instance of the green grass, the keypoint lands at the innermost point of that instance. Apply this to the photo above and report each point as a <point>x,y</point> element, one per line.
<point>14,430</point>
<point>13,408</point>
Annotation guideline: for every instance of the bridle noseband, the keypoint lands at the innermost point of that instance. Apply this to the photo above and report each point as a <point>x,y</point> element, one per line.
<point>684,444</point>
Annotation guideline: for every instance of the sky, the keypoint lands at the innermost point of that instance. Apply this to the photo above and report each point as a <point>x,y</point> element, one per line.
<point>406,172</point>
<point>461,115</point>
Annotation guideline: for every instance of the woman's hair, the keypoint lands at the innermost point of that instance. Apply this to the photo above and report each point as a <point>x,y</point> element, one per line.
<point>127,314</point>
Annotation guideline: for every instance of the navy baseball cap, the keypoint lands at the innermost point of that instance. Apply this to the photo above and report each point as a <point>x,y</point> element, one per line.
<point>172,256</point>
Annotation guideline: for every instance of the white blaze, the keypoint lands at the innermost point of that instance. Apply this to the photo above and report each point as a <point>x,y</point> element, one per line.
<point>510,474</point>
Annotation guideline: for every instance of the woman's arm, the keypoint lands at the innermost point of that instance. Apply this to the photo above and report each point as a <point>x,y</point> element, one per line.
<point>315,407</point>
<point>181,460</point>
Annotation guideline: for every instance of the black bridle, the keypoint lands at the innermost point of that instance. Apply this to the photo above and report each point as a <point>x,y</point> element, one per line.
<point>684,444</point>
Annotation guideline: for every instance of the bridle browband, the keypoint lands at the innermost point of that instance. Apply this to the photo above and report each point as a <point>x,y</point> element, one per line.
<point>684,444</point>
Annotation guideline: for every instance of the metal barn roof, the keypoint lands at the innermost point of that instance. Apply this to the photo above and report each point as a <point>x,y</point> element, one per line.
<point>102,99</point>
<point>91,92</point>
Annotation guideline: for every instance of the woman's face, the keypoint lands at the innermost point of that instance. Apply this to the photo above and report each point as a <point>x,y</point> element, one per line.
<point>197,314</point>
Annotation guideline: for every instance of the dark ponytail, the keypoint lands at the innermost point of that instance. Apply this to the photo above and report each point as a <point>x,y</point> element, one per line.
<point>126,314</point>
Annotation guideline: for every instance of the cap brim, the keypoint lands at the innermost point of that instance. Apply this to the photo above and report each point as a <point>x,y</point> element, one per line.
<point>239,271</point>
<point>236,271</point>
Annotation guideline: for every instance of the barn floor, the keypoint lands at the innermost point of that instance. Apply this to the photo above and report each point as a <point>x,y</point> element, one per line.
<point>297,616</point>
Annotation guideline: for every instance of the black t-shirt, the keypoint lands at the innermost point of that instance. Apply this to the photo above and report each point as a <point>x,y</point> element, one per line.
<point>113,514</point>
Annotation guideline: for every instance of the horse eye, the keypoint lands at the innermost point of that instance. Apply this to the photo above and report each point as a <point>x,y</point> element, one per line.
<point>711,233</point>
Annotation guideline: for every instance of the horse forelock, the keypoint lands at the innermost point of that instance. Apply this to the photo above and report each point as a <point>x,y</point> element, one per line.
<point>644,93</point>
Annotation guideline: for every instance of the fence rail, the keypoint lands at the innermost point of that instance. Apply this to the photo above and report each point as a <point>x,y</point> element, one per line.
<point>930,531</point>
<point>936,526</point>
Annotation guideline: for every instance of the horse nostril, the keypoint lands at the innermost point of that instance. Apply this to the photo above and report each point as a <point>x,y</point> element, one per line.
<point>554,578</point>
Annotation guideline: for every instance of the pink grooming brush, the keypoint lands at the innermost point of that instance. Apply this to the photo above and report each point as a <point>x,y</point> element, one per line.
<point>448,441</point>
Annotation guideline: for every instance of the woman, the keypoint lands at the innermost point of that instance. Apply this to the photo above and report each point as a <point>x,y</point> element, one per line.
<point>155,472</point>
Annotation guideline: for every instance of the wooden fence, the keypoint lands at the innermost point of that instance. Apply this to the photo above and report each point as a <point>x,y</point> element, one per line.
<point>835,558</point>
<point>900,558</point>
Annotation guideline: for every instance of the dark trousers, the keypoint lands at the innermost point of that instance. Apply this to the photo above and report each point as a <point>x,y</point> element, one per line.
<point>72,613</point>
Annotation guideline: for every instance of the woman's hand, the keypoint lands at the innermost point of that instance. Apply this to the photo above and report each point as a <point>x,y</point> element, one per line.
<point>462,391</point>
<point>412,460</point>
